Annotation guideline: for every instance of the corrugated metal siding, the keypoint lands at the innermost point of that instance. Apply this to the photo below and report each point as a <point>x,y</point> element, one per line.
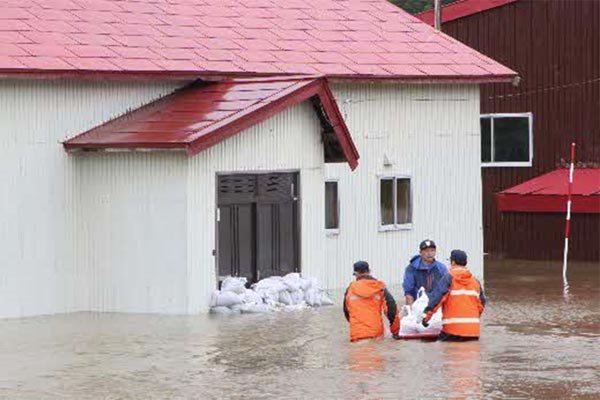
<point>555,47</point>
<point>289,141</point>
<point>38,272</point>
<point>428,132</point>
<point>130,231</point>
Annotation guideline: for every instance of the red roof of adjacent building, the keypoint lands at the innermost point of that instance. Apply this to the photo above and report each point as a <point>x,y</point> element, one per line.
<point>202,115</point>
<point>548,193</point>
<point>232,38</point>
<point>462,8</point>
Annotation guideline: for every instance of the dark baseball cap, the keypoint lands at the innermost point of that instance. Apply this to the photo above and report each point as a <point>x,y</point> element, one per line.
<point>361,266</point>
<point>427,243</point>
<point>459,257</point>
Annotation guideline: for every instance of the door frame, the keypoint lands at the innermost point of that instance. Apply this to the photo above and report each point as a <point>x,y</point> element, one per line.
<point>256,172</point>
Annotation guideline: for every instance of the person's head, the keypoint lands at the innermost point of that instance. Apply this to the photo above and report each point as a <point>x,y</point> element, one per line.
<point>361,268</point>
<point>458,258</point>
<point>427,250</point>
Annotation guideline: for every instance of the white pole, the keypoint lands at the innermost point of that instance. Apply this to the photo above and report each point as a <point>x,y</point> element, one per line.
<point>568,220</point>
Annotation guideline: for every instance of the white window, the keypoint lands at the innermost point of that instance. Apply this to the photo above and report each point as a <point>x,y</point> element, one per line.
<point>506,140</point>
<point>395,203</point>
<point>332,207</point>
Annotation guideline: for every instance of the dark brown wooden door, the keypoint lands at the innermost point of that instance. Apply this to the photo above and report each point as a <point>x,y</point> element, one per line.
<point>258,227</point>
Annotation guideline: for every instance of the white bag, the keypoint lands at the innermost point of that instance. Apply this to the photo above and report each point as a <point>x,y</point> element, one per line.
<point>227,299</point>
<point>235,285</point>
<point>292,281</point>
<point>313,297</point>
<point>285,297</point>
<point>297,296</point>
<point>326,300</point>
<point>251,297</point>
<point>411,324</point>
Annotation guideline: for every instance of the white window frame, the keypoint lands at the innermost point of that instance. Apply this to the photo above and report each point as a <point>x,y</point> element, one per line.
<point>334,231</point>
<point>529,163</point>
<point>394,226</point>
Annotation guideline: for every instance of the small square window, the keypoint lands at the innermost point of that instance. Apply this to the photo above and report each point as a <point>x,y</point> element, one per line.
<point>332,212</point>
<point>506,140</point>
<point>395,203</point>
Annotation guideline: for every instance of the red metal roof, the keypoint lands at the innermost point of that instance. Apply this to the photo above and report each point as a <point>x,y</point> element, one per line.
<point>548,193</point>
<point>205,38</point>
<point>462,8</point>
<point>204,114</point>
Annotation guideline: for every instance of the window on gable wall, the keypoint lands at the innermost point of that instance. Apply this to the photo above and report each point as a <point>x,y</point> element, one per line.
<point>332,207</point>
<point>507,140</point>
<point>395,203</point>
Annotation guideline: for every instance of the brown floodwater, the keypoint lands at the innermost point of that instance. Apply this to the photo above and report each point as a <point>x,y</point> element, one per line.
<point>535,344</point>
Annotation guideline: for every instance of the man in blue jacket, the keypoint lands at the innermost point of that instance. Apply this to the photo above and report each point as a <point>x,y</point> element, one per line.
<point>423,271</point>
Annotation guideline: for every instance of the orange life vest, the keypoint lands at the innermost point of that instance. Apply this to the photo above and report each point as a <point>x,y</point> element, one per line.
<point>462,306</point>
<point>365,302</point>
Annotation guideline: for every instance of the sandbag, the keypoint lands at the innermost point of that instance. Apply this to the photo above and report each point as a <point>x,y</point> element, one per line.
<point>411,324</point>
<point>285,298</point>
<point>251,297</point>
<point>227,299</point>
<point>234,284</point>
<point>297,297</point>
<point>313,297</point>
<point>292,281</point>
<point>326,300</point>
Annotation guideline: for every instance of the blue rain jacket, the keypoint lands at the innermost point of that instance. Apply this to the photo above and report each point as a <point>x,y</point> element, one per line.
<point>418,275</point>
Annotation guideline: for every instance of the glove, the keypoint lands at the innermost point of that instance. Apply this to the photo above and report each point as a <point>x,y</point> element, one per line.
<point>425,321</point>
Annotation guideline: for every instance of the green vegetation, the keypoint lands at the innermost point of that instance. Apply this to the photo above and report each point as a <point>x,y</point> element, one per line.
<point>416,6</point>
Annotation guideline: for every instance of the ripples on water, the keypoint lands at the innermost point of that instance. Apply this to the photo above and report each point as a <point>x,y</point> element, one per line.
<point>534,345</point>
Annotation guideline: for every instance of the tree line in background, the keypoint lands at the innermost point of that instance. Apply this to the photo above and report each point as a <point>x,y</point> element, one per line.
<point>416,6</point>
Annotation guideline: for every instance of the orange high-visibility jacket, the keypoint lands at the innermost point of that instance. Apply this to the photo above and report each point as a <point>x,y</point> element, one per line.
<point>462,303</point>
<point>365,301</point>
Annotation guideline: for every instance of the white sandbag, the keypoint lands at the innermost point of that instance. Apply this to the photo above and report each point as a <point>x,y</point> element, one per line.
<point>313,297</point>
<point>220,310</point>
<point>235,285</point>
<point>237,308</point>
<point>213,298</point>
<point>251,297</point>
<point>419,305</point>
<point>285,298</point>
<point>297,296</point>
<point>255,308</point>
<point>228,299</point>
<point>326,300</point>
<point>292,281</point>
<point>305,284</point>
<point>295,307</point>
<point>273,284</point>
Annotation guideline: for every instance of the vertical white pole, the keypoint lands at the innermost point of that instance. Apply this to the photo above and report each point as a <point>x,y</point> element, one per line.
<point>437,11</point>
<point>568,220</point>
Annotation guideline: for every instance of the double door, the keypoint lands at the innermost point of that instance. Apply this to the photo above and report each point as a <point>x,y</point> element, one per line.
<point>258,228</point>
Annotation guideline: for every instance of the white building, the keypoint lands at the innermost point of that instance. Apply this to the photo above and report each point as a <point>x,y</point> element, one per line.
<point>246,169</point>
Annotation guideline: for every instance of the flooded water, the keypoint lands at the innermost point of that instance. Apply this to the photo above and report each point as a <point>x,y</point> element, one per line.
<point>534,345</point>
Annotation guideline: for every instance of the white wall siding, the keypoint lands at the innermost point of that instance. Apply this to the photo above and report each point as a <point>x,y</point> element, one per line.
<point>37,272</point>
<point>426,131</point>
<point>288,141</point>
<point>131,234</point>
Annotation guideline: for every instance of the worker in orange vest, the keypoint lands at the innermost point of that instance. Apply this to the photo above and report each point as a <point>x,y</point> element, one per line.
<point>462,300</point>
<point>365,301</point>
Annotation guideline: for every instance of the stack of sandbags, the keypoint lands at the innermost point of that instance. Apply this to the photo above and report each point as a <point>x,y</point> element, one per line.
<point>411,324</point>
<point>291,292</point>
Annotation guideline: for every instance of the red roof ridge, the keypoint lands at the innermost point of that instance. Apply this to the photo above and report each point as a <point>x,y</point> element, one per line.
<point>460,9</point>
